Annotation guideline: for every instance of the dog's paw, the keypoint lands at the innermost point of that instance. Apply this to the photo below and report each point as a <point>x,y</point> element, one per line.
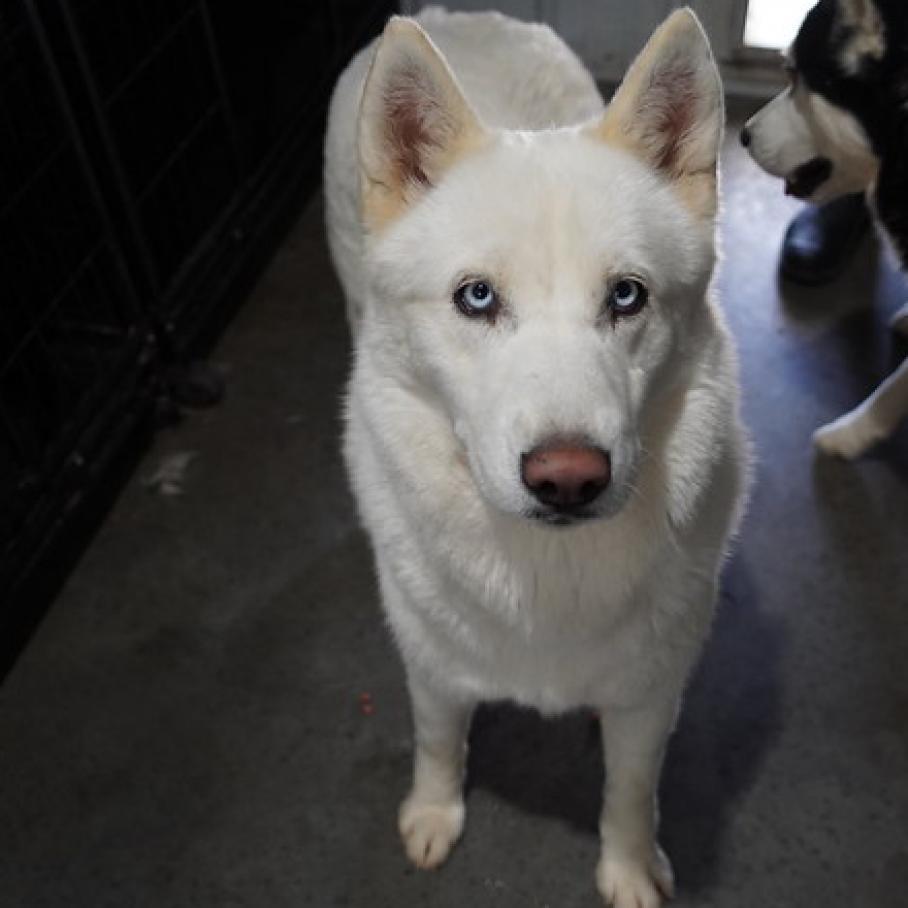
<point>899,321</point>
<point>628,881</point>
<point>429,831</point>
<point>849,436</point>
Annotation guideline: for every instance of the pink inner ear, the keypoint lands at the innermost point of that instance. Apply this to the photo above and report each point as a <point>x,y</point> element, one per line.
<point>410,110</point>
<point>672,99</point>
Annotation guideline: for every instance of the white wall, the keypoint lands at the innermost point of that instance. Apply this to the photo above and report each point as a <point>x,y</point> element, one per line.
<point>607,34</point>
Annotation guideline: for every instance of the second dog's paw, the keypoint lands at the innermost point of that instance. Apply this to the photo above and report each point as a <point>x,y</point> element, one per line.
<point>635,882</point>
<point>429,831</point>
<point>849,436</point>
<point>899,322</point>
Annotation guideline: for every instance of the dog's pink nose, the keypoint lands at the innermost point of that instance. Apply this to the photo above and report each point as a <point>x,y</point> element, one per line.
<point>565,476</point>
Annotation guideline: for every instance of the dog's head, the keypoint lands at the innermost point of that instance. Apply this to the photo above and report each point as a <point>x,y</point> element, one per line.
<point>814,135</point>
<point>543,290</point>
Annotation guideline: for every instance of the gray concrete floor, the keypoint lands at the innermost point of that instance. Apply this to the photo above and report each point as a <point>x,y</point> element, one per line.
<point>186,729</point>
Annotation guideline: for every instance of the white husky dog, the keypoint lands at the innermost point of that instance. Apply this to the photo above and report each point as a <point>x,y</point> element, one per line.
<point>542,424</point>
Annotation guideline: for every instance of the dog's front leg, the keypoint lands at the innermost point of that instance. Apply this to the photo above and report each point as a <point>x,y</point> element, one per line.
<point>432,815</point>
<point>851,435</point>
<point>633,871</point>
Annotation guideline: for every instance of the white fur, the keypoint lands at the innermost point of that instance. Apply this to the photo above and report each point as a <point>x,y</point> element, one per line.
<point>484,602</point>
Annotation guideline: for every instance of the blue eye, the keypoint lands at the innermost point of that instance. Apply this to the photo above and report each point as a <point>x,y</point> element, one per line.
<point>627,297</point>
<point>476,298</point>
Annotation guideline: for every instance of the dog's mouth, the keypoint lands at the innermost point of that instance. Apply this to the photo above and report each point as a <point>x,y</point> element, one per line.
<point>562,517</point>
<point>805,179</point>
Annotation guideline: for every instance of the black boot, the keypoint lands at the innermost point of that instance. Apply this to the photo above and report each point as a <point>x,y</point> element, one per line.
<point>821,240</point>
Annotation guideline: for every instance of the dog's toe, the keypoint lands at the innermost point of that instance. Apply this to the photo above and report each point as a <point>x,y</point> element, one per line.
<point>628,882</point>
<point>429,831</point>
<point>899,321</point>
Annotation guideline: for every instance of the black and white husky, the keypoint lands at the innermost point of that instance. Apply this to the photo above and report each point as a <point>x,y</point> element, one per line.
<point>842,126</point>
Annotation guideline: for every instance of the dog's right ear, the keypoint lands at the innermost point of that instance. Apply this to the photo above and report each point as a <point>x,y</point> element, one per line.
<point>669,110</point>
<point>862,16</point>
<point>866,32</point>
<point>414,123</point>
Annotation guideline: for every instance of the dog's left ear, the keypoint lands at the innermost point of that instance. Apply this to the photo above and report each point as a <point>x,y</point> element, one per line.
<point>669,110</point>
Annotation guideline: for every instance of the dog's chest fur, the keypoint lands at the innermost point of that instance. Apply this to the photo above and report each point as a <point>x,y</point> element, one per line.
<point>505,609</point>
<point>493,604</point>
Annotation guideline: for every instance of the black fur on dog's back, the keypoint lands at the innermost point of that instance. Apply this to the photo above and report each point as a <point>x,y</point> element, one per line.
<point>876,94</point>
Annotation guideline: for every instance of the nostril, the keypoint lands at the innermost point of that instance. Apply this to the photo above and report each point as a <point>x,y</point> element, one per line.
<point>745,137</point>
<point>590,491</point>
<point>546,492</point>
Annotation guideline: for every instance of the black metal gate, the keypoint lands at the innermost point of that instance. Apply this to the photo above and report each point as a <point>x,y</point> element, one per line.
<point>151,154</point>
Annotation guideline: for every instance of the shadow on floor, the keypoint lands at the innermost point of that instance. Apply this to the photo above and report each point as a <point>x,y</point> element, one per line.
<point>730,719</point>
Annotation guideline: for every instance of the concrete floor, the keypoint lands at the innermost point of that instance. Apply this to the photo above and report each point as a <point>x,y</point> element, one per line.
<point>185,729</point>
